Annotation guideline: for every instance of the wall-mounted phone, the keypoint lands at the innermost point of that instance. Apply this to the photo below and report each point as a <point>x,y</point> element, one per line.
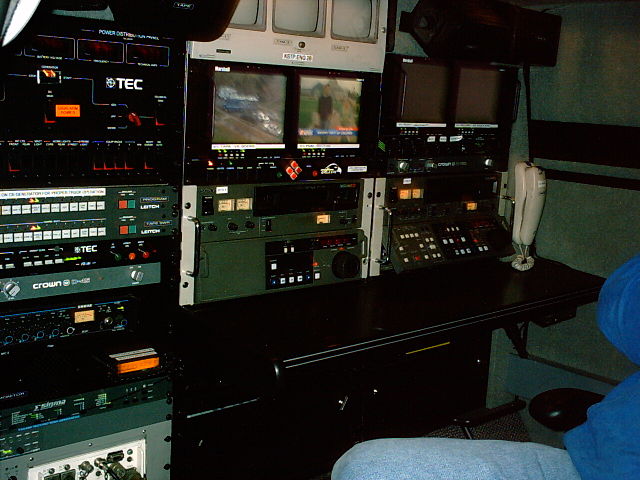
<point>531,188</point>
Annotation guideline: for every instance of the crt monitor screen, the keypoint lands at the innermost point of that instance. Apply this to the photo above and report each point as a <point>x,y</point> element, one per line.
<point>329,112</point>
<point>249,14</point>
<point>248,109</point>
<point>424,91</point>
<point>478,97</point>
<point>298,16</point>
<point>352,19</point>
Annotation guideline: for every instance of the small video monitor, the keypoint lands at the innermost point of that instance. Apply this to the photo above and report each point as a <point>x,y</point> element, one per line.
<point>355,20</point>
<point>478,97</point>
<point>329,111</point>
<point>248,110</point>
<point>250,15</point>
<point>299,17</point>
<point>423,95</point>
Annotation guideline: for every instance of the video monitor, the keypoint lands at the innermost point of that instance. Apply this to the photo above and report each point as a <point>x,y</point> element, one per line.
<point>329,111</point>
<point>248,110</point>
<point>354,20</point>
<point>423,95</point>
<point>250,15</point>
<point>478,97</point>
<point>299,17</point>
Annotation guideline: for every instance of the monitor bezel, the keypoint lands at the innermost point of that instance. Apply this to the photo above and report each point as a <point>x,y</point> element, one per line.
<point>505,95</point>
<point>392,97</point>
<point>202,110</point>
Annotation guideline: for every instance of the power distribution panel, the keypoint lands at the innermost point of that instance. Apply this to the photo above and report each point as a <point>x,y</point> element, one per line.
<point>91,104</point>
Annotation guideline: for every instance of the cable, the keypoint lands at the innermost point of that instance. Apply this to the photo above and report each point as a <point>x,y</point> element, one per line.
<point>524,261</point>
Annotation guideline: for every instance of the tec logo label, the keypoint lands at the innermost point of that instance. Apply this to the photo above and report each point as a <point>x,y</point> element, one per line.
<point>124,83</point>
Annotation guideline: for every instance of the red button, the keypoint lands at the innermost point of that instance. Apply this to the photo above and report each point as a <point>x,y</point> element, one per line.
<point>293,176</point>
<point>417,257</point>
<point>122,204</point>
<point>294,164</point>
<point>132,256</point>
<point>124,229</point>
<point>289,170</point>
<point>146,254</point>
<point>298,169</point>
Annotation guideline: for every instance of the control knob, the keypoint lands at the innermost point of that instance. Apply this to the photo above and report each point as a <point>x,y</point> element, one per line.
<point>11,289</point>
<point>137,275</point>
<point>345,265</point>
<point>403,166</point>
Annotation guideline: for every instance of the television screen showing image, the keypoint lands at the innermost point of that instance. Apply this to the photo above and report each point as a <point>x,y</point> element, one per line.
<point>329,111</point>
<point>248,110</point>
<point>478,97</point>
<point>304,17</point>
<point>352,19</point>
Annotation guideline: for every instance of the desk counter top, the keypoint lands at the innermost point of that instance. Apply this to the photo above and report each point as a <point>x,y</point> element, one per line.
<point>310,325</point>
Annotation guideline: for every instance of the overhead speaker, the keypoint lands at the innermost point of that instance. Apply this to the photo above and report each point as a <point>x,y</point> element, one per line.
<point>483,30</point>
<point>537,38</point>
<point>201,20</point>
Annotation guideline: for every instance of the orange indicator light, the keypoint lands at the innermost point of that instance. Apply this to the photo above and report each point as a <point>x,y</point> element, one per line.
<point>137,365</point>
<point>68,111</point>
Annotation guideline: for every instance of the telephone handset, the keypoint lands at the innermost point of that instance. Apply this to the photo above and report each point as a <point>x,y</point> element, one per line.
<point>531,188</point>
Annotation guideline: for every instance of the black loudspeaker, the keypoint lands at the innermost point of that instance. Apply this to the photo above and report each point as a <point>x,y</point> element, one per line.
<point>202,20</point>
<point>484,30</point>
<point>537,38</point>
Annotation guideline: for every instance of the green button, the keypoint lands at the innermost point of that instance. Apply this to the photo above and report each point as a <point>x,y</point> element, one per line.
<point>133,229</point>
<point>131,204</point>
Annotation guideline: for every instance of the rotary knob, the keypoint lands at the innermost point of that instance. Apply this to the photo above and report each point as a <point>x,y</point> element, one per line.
<point>137,275</point>
<point>345,265</point>
<point>11,289</point>
<point>403,166</point>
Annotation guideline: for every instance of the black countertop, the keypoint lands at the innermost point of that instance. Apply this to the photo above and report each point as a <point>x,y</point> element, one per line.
<point>309,325</point>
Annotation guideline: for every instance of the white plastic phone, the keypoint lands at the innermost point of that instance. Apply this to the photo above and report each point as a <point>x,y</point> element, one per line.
<point>531,189</point>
